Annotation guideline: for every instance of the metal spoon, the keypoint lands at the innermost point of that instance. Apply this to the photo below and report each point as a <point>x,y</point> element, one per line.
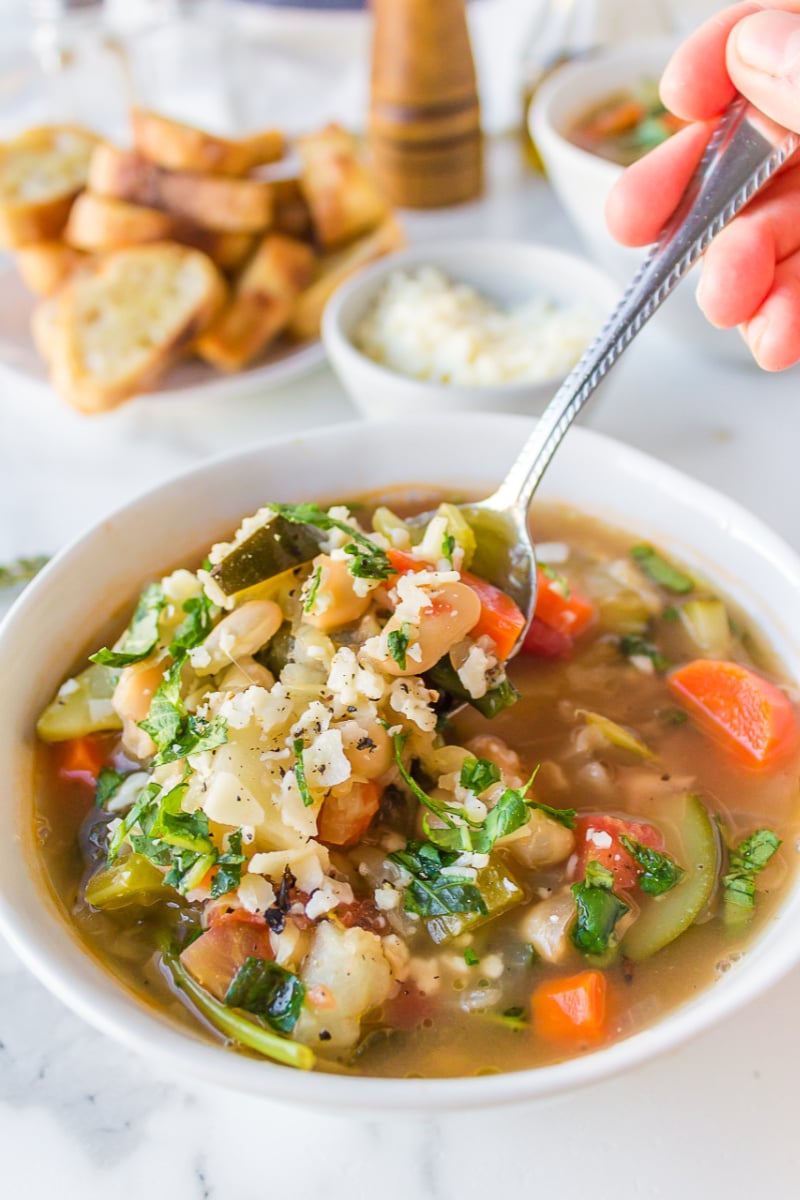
<point>744,152</point>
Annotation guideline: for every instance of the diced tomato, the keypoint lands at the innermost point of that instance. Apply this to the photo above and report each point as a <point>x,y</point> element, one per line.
<point>569,614</point>
<point>750,718</point>
<point>545,642</point>
<point>81,758</point>
<point>597,839</point>
<point>571,1009</point>
<point>363,913</point>
<point>214,958</point>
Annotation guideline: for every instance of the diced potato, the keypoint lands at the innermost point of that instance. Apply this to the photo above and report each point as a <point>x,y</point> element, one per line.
<point>349,964</point>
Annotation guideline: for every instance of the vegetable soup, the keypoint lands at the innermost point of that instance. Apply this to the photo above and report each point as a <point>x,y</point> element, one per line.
<point>625,125</point>
<point>305,804</point>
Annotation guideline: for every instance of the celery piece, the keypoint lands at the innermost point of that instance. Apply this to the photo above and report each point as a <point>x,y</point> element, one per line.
<point>131,880</point>
<point>499,891</point>
<point>82,705</point>
<point>614,734</point>
<point>459,530</point>
<point>387,523</point>
<point>706,623</point>
<point>234,1025</point>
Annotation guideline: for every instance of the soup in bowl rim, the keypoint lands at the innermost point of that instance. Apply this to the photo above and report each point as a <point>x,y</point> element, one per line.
<point>94,580</point>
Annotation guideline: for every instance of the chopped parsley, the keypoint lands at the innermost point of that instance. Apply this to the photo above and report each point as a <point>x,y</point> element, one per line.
<point>368,560</point>
<point>673,716</point>
<point>141,636</point>
<point>448,547</point>
<point>300,773</point>
<point>470,957</point>
<point>598,911</point>
<point>176,733</point>
<point>430,893</point>
<point>228,875</point>
<point>315,579</point>
<point>397,642</point>
<point>478,774</point>
<point>196,625</point>
<point>659,871</point>
<point>746,861</point>
<point>109,782</point>
<point>268,990</point>
<point>158,828</point>
<point>656,567</point>
<point>564,816</point>
<point>634,646</point>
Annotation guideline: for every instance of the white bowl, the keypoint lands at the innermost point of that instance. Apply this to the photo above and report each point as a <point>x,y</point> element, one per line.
<point>91,581</point>
<point>582,180</point>
<point>509,273</point>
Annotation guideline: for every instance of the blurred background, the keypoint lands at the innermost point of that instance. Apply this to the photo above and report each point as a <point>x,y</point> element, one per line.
<point>239,64</point>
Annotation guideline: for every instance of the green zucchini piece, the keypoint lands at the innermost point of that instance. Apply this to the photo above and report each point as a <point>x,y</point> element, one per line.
<point>445,677</point>
<point>273,549</point>
<point>664,918</point>
<point>82,705</point>
<point>131,880</point>
<point>500,892</point>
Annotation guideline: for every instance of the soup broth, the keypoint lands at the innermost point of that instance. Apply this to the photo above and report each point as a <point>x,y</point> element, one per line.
<point>643,860</point>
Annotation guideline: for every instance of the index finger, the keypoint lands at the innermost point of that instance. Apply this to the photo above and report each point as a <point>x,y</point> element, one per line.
<point>696,84</point>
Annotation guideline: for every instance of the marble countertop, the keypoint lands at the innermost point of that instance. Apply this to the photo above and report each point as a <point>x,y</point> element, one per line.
<point>80,1116</point>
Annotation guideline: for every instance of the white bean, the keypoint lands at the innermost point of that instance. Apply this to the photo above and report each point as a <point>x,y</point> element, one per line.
<point>455,609</point>
<point>238,635</point>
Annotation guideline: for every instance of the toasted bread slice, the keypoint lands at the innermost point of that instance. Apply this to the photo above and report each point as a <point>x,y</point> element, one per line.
<point>180,147</point>
<point>45,265</point>
<point>124,319</point>
<point>212,202</point>
<point>334,269</point>
<point>261,305</point>
<point>228,250</point>
<point>41,173</point>
<point>291,213</point>
<point>99,223</point>
<point>342,195</point>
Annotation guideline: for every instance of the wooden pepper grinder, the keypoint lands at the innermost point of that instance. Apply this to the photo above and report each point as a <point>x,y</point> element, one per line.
<point>424,124</point>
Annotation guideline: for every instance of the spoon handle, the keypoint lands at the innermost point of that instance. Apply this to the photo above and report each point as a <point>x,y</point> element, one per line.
<point>744,152</point>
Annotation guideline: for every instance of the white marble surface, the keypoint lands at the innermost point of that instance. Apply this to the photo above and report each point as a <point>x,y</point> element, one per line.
<point>80,1117</point>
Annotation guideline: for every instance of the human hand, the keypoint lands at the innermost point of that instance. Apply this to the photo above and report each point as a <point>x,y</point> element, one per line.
<point>751,271</point>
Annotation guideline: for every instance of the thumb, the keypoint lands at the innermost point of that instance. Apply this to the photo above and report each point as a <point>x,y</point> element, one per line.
<point>763,60</point>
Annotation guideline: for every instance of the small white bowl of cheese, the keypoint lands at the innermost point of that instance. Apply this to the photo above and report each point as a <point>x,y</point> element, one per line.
<point>464,326</point>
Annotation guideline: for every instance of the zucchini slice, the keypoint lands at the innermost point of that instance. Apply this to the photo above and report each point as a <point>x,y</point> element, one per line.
<point>272,550</point>
<point>664,918</point>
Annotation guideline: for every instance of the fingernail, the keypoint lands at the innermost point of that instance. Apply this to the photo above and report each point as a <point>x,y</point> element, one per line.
<point>753,332</point>
<point>768,42</point>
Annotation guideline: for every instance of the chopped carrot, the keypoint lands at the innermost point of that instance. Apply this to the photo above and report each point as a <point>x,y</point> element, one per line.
<point>750,718</point>
<point>617,119</point>
<point>81,758</point>
<point>346,816</point>
<point>571,1009</point>
<point>500,618</point>
<point>567,611</point>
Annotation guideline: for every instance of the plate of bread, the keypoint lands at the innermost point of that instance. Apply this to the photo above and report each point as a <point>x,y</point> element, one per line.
<point>188,261</point>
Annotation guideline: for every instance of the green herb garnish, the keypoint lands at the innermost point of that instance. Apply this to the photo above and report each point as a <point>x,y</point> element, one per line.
<point>176,733</point>
<point>109,782</point>
<point>397,642</point>
<point>448,547</point>
<point>746,861</point>
<point>369,561</point>
<point>313,587</point>
<point>656,567</point>
<point>659,871</point>
<point>634,646</point>
<point>228,875</point>
<point>430,893</point>
<point>300,773</point>
<point>141,636</point>
<point>269,991</point>
<point>599,910</point>
<point>558,583</point>
<point>478,774</point>
<point>564,816</point>
<point>470,957</point>
<point>196,625</point>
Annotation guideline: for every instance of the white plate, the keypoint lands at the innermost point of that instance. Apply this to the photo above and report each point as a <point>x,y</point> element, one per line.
<point>18,352</point>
